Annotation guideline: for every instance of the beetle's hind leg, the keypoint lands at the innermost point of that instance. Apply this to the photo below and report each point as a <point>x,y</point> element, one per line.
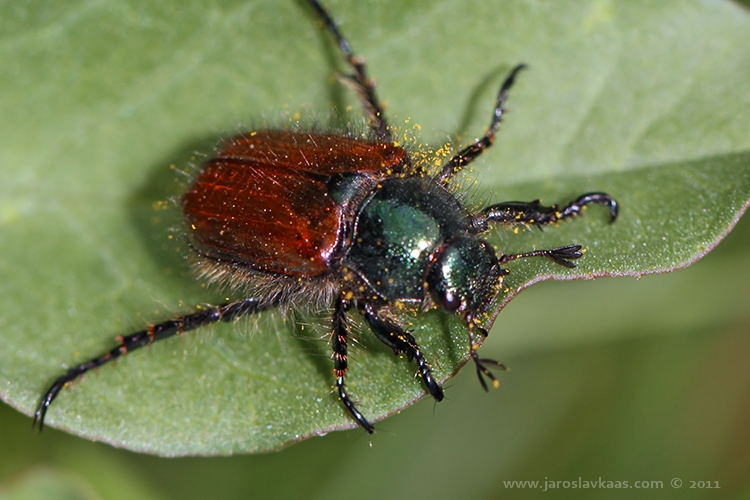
<point>401,341</point>
<point>160,331</point>
<point>360,82</point>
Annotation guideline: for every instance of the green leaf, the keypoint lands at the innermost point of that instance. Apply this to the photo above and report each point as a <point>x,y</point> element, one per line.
<point>49,484</point>
<point>644,101</point>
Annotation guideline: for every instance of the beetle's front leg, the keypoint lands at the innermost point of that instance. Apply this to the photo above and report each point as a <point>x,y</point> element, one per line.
<point>401,341</point>
<point>527,213</point>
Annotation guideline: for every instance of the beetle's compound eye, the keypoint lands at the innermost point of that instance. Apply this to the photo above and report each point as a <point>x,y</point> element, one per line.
<point>449,300</point>
<point>465,275</point>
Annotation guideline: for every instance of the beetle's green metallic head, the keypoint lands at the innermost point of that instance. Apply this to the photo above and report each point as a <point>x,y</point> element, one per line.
<point>465,275</point>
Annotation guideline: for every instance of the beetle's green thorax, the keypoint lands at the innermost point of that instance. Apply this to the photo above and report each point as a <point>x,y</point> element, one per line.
<point>413,232</point>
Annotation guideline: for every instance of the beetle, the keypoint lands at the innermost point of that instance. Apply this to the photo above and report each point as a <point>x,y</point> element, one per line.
<point>348,221</point>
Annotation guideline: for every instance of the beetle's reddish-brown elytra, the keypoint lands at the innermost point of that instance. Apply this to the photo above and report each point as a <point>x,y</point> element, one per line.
<point>227,208</point>
<point>351,221</point>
